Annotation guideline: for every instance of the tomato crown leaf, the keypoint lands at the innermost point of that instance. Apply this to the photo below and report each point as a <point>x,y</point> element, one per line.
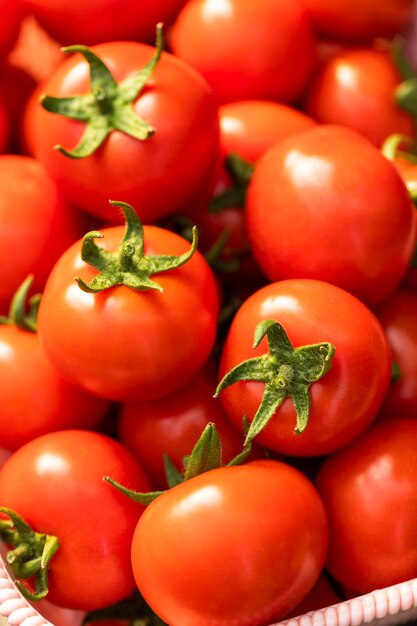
<point>286,372</point>
<point>108,106</point>
<point>30,555</point>
<point>128,265</point>
<point>241,172</point>
<point>19,314</point>
<point>405,94</point>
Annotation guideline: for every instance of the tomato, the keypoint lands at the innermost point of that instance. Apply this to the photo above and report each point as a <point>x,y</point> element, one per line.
<point>31,214</point>
<point>242,529</point>
<point>323,594</point>
<point>11,14</point>
<point>125,343</point>
<point>173,424</point>
<point>356,88</point>
<point>398,315</point>
<point>157,174</point>
<point>369,491</point>
<point>246,49</point>
<point>346,399</point>
<point>358,20</point>
<point>54,485</point>
<point>310,216</point>
<point>99,21</point>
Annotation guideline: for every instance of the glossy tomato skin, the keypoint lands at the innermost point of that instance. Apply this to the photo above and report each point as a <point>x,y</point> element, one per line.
<point>359,20</point>
<point>54,485</point>
<point>241,529</point>
<point>99,21</point>
<point>310,216</point>
<point>355,88</point>
<point>245,49</point>
<point>124,344</point>
<point>398,315</point>
<point>369,491</point>
<point>36,224</point>
<point>34,399</point>
<point>346,400</point>
<point>156,175</point>
<point>173,424</point>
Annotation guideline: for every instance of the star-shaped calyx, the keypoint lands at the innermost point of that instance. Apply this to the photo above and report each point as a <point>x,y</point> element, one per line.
<point>286,372</point>
<point>108,106</point>
<point>128,265</point>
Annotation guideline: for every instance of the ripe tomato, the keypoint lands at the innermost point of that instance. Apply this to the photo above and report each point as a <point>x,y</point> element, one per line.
<point>99,21</point>
<point>31,214</point>
<point>242,529</point>
<point>55,482</point>
<point>310,216</point>
<point>370,493</point>
<point>247,49</point>
<point>11,13</point>
<point>356,88</point>
<point>398,315</point>
<point>157,174</point>
<point>129,344</point>
<point>357,20</point>
<point>173,424</point>
<point>346,399</point>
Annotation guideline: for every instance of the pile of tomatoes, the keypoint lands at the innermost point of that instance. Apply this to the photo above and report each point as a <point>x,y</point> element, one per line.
<point>208,306</point>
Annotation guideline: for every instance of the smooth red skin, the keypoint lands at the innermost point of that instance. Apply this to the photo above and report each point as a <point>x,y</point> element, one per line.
<point>126,344</point>
<point>326,204</point>
<point>346,399</point>
<point>36,224</point>
<point>157,175</point>
<point>243,525</point>
<point>369,491</point>
<point>34,399</point>
<point>355,88</point>
<point>100,21</point>
<point>359,20</point>
<point>173,424</point>
<point>398,315</point>
<point>247,50</point>
<point>11,15</point>
<point>54,485</point>
<point>322,595</point>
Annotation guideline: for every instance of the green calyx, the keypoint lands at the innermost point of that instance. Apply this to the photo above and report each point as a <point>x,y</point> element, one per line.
<point>30,555</point>
<point>19,314</point>
<point>108,106</point>
<point>286,372</point>
<point>241,172</point>
<point>128,265</point>
<point>405,94</point>
<point>205,456</point>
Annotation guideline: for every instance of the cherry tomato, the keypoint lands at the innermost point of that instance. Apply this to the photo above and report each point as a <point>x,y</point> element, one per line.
<point>242,529</point>
<point>125,343</point>
<point>11,13</point>
<point>370,493</point>
<point>246,49</point>
<point>37,225</point>
<point>355,88</point>
<point>311,216</point>
<point>346,399</point>
<point>55,482</point>
<point>157,174</point>
<point>357,20</point>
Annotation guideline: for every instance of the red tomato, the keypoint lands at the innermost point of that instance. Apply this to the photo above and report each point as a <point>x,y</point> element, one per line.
<point>358,20</point>
<point>173,424</point>
<point>34,399</point>
<point>55,482</point>
<point>247,49</point>
<point>355,88</point>
<point>31,214</point>
<point>158,174</point>
<point>311,216</point>
<point>11,14</point>
<point>398,315</point>
<point>241,529</point>
<point>322,595</point>
<point>123,343</point>
<point>99,21</point>
<point>346,399</point>
<point>370,493</point>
